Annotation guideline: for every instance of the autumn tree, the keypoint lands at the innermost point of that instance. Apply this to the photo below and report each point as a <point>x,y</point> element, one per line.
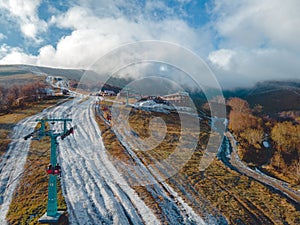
<point>241,117</point>
<point>257,109</point>
<point>239,105</point>
<point>295,168</point>
<point>9,96</point>
<point>286,136</point>
<point>2,99</point>
<point>253,136</point>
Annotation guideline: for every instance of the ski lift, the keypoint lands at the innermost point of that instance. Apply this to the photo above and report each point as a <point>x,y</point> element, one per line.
<point>54,170</point>
<point>57,169</point>
<point>50,169</point>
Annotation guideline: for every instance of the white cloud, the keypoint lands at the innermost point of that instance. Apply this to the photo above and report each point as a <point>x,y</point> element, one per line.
<point>246,67</point>
<point>15,55</point>
<point>2,36</point>
<point>93,36</point>
<point>254,40</point>
<point>77,50</point>
<point>254,23</point>
<point>222,58</point>
<point>25,12</point>
<point>29,30</point>
<point>259,41</point>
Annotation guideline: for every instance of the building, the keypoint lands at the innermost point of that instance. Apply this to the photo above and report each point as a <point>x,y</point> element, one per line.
<point>107,93</point>
<point>178,99</point>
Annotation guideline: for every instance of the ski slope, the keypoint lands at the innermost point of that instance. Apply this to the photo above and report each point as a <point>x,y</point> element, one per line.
<point>88,177</point>
<point>12,162</point>
<point>95,192</point>
<point>173,206</point>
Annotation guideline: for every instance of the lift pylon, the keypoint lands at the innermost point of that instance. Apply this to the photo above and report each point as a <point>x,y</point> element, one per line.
<point>52,215</point>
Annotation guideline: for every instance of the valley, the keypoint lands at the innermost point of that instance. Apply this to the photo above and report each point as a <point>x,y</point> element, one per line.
<point>115,168</point>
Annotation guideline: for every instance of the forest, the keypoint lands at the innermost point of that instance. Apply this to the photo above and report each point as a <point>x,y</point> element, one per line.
<point>20,95</point>
<point>269,142</point>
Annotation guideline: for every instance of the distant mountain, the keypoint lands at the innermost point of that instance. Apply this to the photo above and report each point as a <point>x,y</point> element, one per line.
<point>6,70</point>
<point>74,74</point>
<point>274,96</point>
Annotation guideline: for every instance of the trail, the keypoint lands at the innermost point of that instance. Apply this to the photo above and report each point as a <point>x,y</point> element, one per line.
<point>88,178</point>
<point>234,162</point>
<point>173,206</point>
<point>174,209</point>
<point>12,162</point>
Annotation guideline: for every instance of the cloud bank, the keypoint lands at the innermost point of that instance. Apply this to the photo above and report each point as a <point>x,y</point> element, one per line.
<point>259,40</point>
<point>242,41</point>
<point>25,14</point>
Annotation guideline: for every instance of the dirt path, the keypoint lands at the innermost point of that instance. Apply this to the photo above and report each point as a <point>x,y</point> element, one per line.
<point>281,186</point>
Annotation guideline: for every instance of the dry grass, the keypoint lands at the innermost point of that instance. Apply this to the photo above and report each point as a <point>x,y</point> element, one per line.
<point>7,121</point>
<point>29,201</point>
<point>236,196</point>
<point>20,79</point>
<point>117,152</point>
<point>218,189</point>
<point>112,145</point>
<point>288,177</point>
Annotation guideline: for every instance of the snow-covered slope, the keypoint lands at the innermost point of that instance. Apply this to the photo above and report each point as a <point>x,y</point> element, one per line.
<point>88,178</point>
<point>173,206</point>
<point>95,191</point>
<point>12,162</point>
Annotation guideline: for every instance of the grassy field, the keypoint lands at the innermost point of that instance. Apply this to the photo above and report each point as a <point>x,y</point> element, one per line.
<point>7,121</point>
<point>117,152</point>
<point>18,79</point>
<point>29,201</point>
<point>218,190</point>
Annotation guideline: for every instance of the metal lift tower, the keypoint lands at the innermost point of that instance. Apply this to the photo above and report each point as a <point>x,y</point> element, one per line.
<point>52,216</point>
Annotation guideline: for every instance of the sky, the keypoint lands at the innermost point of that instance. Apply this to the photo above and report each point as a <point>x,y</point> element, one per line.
<point>242,41</point>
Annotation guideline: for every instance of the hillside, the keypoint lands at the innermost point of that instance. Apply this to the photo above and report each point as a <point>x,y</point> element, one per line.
<point>7,70</point>
<point>219,192</point>
<point>273,96</point>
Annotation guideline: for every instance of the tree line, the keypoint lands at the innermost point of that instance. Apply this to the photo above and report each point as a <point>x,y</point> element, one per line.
<point>20,95</point>
<point>252,128</point>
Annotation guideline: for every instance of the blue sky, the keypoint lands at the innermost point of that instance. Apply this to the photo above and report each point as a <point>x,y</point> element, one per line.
<point>242,41</point>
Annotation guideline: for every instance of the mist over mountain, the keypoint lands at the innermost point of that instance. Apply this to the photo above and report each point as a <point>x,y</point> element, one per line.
<point>273,95</point>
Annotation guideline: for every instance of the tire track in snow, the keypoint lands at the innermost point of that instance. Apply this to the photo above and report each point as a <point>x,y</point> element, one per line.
<point>173,206</point>
<point>12,162</point>
<point>88,178</point>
